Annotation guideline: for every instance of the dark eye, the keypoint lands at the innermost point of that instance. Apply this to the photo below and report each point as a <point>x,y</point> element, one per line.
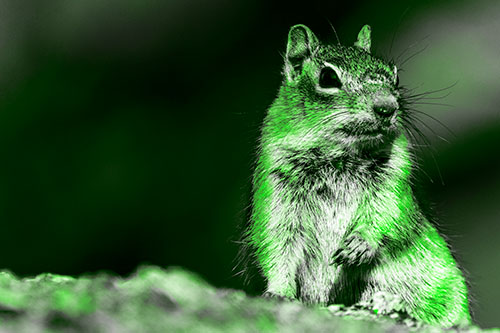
<point>329,79</point>
<point>397,81</point>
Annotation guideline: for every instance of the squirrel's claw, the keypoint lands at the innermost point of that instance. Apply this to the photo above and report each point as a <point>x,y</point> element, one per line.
<point>280,298</point>
<point>354,251</point>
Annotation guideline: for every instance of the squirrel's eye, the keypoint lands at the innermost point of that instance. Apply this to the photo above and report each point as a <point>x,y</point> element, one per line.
<point>397,81</point>
<point>329,79</point>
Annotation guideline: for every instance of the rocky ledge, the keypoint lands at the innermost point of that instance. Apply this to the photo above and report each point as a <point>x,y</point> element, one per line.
<point>175,300</point>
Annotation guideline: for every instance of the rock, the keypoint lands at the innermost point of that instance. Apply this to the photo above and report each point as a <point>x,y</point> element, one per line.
<point>171,300</point>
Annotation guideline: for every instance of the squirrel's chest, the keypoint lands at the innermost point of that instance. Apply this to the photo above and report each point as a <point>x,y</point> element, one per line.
<point>333,212</point>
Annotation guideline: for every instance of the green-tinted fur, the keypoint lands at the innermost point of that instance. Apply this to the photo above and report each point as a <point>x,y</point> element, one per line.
<point>334,218</point>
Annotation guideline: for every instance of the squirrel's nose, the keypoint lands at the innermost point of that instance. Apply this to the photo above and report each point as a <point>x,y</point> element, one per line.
<point>386,110</point>
<point>385,105</point>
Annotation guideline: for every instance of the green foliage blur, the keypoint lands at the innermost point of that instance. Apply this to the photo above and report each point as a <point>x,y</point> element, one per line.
<point>128,128</point>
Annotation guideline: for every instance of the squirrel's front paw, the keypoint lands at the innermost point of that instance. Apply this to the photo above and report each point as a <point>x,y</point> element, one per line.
<point>281,298</point>
<point>354,251</point>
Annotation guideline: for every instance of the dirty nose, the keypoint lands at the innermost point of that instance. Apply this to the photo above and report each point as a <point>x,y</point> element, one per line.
<point>384,110</point>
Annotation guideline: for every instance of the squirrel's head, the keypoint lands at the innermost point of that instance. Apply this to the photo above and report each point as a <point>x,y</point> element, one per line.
<point>336,95</point>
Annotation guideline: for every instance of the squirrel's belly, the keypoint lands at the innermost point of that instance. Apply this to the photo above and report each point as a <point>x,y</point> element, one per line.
<point>316,275</point>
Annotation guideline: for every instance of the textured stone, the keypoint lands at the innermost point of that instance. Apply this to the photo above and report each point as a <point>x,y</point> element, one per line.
<point>171,300</point>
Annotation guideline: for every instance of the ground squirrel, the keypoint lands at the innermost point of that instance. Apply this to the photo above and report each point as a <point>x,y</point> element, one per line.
<point>334,218</point>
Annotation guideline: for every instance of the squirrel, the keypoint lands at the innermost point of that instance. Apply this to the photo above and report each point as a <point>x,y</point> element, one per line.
<point>334,219</point>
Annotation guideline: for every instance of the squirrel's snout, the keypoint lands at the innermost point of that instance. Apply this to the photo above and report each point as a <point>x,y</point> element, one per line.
<point>384,110</point>
<point>385,106</point>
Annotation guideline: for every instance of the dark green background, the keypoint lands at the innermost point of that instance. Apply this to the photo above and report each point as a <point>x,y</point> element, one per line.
<point>128,128</point>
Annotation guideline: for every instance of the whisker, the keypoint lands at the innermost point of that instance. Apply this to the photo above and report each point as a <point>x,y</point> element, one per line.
<point>431,91</point>
<point>426,98</point>
<point>430,129</point>
<point>411,46</point>
<point>397,28</point>
<point>409,129</point>
<point>436,120</point>
<point>341,112</point>
<point>431,103</point>
<point>438,169</point>
<point>416,53</point>
<point>422,136</point>
<point>335,31</point>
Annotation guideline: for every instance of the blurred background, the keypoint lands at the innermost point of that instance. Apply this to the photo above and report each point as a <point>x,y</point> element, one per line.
<point>128,128</point>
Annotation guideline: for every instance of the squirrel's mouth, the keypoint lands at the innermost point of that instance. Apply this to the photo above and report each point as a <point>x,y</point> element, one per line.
<point>364,129</point>
<point>371,133</point>
<point>364,132</point>
<point>369,137</point>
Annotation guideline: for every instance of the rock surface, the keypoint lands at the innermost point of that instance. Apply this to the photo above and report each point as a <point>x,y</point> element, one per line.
<point>175,300</point>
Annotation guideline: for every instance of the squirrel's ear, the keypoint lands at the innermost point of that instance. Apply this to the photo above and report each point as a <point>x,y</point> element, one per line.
<point>301,45</point>
<point>364,38</point>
